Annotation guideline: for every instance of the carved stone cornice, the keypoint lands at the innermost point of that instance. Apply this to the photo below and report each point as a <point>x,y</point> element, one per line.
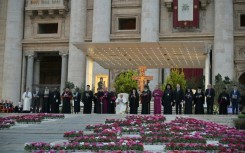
<point>48,8</point>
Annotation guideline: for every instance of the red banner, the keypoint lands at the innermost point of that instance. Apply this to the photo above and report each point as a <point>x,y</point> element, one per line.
<point>182,24</point>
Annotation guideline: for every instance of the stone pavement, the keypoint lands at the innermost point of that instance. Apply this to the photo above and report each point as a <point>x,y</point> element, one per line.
<point>12,140</point>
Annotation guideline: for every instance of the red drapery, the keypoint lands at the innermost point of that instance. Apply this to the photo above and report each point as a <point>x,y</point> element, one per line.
<point>191,73</point>
<point>194,23</point>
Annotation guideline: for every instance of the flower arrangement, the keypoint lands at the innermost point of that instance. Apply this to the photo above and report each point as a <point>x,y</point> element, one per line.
<point>72,134</point>
<point>185,135</point>
<point>189,139</point>
<point>52,116</point>
<point>37,146</point>
<point>29,119</point>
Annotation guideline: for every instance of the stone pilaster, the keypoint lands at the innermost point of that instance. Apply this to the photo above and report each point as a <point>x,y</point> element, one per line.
<point>64,61</point>
<point>29,72</point>
<point>77,60</point>
<point>13,51</point>
<point>36,72</point>
<point>101,28</point>
<point>223,54</point>
<point>150,31</point>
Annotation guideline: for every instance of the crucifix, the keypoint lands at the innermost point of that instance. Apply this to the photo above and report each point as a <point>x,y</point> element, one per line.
<point>141,78</point>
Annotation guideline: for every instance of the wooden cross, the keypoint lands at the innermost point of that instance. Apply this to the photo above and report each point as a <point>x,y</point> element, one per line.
<point>142,79</point>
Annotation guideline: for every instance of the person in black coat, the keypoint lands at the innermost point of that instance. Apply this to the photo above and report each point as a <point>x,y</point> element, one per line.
<point>224,102</point>
<point>134,101</point>
<point>188,101</point>
<point>87,100</point>
<point>99,104</point>
<point>112,99</point>
<point>210,93</point>
<point>55,101</point>
<point>199,101</point>
<point>145,100</point>
<point>77,99</point>
<point>167,100</point>
<point>46,100</point>
<point>178,97</point>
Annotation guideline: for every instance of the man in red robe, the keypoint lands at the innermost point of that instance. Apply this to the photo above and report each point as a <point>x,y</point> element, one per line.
<point>157,94</point>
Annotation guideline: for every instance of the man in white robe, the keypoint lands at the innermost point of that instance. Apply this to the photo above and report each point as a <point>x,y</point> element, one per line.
<point>121,104</point>
<point>27,96</point>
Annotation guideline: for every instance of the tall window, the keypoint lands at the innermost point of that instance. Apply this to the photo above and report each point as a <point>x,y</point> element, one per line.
<point>47,28</point>
<point>126,23</point>
<point>242,20</point>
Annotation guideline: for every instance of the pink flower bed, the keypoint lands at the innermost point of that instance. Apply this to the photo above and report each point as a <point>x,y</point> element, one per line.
<point>185,135</point>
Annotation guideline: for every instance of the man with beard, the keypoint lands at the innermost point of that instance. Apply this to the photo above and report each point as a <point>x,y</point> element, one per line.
<point>112,99</point>
<point>87,100</point>
<point>134,101</point>
<point>145,100</point>
<point>167,100</point>
<point>77,99</point>
<point>224,102</point>
<point>55,101</point>
<point>199,101</point>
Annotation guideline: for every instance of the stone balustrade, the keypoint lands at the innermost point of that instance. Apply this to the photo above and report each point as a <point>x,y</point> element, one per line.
<point>46,7</point>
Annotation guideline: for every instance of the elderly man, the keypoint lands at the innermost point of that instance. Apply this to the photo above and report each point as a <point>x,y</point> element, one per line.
<point>27,96</point>
<point>121,103</point>
<point>36,100</point>
<point>210,93</point>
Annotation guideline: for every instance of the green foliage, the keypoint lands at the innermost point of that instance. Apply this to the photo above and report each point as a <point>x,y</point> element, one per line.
<point>69,85</point>
<point>194,83</point>
<point>124,82</point>
<point>176,77</point>
<point>240,123</point>
<point>220,83</point>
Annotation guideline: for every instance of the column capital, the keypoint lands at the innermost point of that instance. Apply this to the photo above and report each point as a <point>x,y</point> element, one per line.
<point>30,53</point>
<point>63,53</point>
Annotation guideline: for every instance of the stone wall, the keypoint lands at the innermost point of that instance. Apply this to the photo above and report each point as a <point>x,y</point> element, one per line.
<point>3,17</point>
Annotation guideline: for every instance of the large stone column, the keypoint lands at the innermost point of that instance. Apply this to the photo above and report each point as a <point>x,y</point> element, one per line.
<point>101,28</point>
<point>29,73</point>
<point>13,51</point>
<point>36,72</point>
<point>150,31</point>
<point>223,54</point>
<point>77,60</point>
<point>23,75</point>
<point>63,70</point>
<point>89,72</point>
<point>207,70</point>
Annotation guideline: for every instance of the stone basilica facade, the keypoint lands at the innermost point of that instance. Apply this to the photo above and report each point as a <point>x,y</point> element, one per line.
<point>39,39</point>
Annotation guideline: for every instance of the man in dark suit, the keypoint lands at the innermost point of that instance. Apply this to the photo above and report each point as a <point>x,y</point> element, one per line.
<point>36,100</point>
<point>235,99</point>
<point>178,99</point>
<point>209,94</point>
